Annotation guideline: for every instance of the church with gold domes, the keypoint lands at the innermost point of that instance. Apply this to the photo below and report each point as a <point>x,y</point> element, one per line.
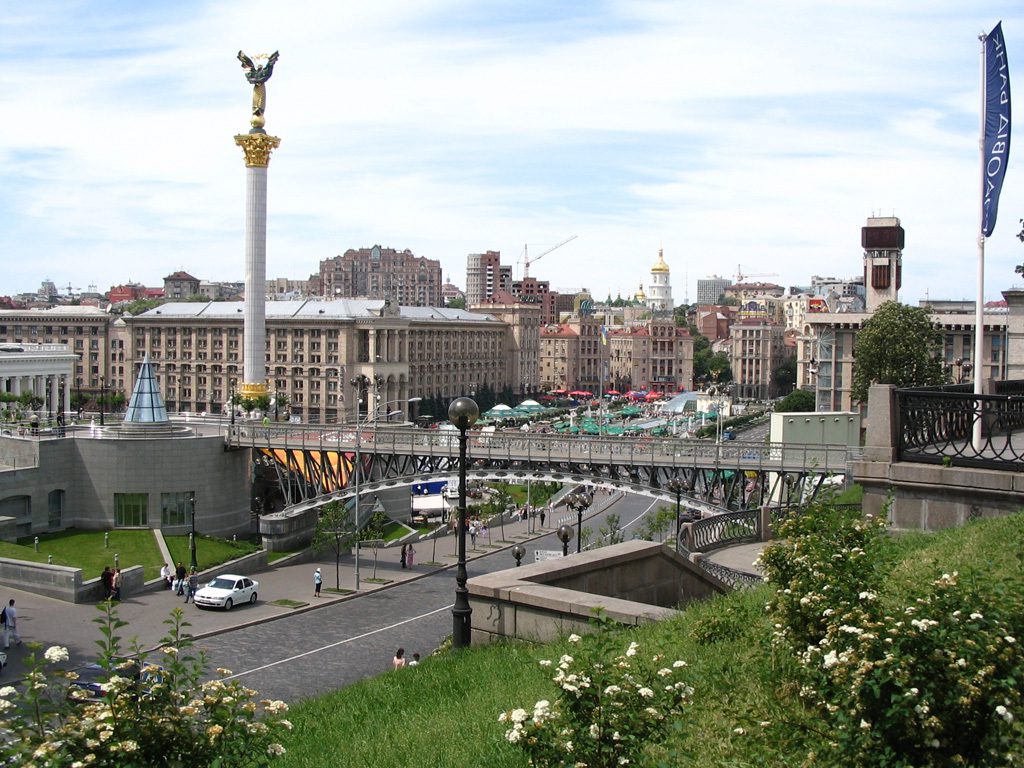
<point>659,292</point>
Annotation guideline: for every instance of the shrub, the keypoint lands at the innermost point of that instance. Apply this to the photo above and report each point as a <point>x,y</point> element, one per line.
<point>931,682</point>
<point>148,715</point>
<point>610,707</point>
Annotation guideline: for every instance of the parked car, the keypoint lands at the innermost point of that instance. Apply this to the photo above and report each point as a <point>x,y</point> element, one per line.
<point>92,677</point>
<point>226,591</point>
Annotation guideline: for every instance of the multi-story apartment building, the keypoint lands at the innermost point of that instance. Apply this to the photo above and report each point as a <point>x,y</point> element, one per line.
<point>316,348</point>
<point>180,285</point>
<point>98,338</point>
<point>382,273</point>
<point>656,355</point>
<point>758,350</point>
<point>538,292</point>
<point>485,275</point>
<point>522,341</point>
<point>573,356</point>
<point>711,289</point>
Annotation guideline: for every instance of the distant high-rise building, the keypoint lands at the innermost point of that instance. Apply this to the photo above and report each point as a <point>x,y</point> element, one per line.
<point>383,273</point>
<point>485,274</point>
<point>530,290</point>
<point>710,289</point>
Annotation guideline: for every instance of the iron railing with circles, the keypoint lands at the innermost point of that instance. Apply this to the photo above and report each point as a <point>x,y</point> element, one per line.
<point>935,426</point>
<point>725,530</point>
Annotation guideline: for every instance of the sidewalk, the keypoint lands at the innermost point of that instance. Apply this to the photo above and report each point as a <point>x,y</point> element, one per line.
<point>55,622</point>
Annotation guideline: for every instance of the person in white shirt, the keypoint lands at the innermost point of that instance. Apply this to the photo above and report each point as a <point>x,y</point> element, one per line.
<point>11,625</point>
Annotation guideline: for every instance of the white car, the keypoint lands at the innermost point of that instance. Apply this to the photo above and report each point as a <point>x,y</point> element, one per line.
<point>226,591</point>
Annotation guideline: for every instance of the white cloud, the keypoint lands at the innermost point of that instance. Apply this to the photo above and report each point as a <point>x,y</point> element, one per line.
<point>755,134</point>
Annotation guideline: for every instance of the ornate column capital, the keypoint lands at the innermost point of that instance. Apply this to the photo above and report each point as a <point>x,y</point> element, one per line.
<point>257,148</point>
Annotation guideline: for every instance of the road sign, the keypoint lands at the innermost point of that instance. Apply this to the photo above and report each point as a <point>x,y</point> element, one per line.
<point>545,554</point>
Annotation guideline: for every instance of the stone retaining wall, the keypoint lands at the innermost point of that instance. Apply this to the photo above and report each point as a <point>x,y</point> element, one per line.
<point>633,583</point>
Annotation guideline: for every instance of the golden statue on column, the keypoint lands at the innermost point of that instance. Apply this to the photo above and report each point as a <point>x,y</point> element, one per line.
<point>257,71</point>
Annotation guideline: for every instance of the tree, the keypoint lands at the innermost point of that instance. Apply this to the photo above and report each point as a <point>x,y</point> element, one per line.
<point>784,377</point>
<point>334,531</point>
<point>457,302</point>
<point>897,345</point>
<point>799,400</point>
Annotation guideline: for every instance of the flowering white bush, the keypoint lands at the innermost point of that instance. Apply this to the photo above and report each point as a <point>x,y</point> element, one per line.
<point>933,683</point>
<point>609,707</point>
<point>147,716</point>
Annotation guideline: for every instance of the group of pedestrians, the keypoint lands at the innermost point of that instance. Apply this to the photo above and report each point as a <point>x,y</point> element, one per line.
<point>113,582</point>
<point>408,556</point>
<point>181,581</point>
<point>399,661</point>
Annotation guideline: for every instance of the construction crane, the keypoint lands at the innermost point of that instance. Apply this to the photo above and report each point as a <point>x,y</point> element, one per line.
<point>527,261</point>
<point>740,277</point>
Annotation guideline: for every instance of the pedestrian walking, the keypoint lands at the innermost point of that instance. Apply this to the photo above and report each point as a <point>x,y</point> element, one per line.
<point>10,625</point>
<point>192,586</point>
<point>397,663</point>
<point>472,533</point>
<point>543,515</point>
<point>318,580</point>
<point>118,583</point>
<point>402,556</point>
<point>179,574</point>
<point>410,555</point>
<point>107,579</point>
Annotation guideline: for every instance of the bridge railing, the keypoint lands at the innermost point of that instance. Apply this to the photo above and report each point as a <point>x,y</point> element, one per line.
<point>935,426</point>
<point>724,530</point>
<point>536,447</point>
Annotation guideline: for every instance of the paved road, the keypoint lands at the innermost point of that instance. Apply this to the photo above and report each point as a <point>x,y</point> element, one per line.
<point>323,644</point>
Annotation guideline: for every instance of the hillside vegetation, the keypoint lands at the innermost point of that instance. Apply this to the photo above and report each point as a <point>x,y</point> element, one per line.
<point>758,697</point>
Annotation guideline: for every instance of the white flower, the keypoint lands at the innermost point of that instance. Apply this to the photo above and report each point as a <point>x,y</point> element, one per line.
<point>867,595</point>
<point>738,731</point>
<point>519,715</point>
<point>611,690</point>
<point>565,660</point>
<point>646,693</point>
<point>631,651</point>
<point>829,660</point>
<point>541,708</point>
<point>1004,713</point>
<point>275,750</point>
<point>678,664</point>
<point>977,616</point>
<point>664,672</point>
<point>864,724</point>
<point>574,638</point>
<point>1010,639</point>
<point>56,653</point>
<point>7,691</point>
<point>545,662</point>
<point>594,731</point>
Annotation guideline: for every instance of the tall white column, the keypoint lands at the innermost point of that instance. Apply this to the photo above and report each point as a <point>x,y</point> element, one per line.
<point>257,147</point>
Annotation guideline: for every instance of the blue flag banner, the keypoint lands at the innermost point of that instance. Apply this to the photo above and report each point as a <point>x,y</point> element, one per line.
<point>997,125</point>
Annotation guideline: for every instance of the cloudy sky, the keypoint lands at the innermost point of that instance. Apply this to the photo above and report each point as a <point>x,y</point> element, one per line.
<point>751,135</point>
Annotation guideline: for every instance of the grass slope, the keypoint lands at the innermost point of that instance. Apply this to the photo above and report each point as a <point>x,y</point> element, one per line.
<point>745,712</point>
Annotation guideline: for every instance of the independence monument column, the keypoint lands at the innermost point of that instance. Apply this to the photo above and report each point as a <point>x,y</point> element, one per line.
<point>257,146</point>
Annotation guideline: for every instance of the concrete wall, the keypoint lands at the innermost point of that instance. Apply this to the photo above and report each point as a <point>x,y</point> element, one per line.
<point>552,598</point>
<point>925,497</point>
<point>91,471</point>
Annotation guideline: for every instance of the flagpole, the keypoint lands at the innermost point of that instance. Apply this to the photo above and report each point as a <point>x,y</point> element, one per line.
<point>979,313</point>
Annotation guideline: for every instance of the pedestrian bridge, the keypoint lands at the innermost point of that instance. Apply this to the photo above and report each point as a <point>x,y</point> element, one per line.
<point>317,462</point>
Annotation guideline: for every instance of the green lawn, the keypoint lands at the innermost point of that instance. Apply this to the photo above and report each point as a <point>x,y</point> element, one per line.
<point>85,550</point>
<point>210,552</point>
<point>745,712</point>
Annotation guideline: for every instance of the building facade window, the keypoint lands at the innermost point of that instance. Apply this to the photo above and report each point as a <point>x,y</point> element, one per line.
<point>131,510</point>
<point>175,507</point>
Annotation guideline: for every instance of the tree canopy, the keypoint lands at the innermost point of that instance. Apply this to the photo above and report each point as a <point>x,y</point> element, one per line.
<point>799,400</point>
<point>898,345</point>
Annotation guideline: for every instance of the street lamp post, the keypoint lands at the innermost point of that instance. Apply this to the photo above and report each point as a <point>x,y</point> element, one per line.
<point>579,501</point>
<point>463,413</point>
<point>564,534</point>
<point>103,397</point>
<point>677,486</point>
<point>517,552</point>
<point>192,538</point>
<point>231,403</point>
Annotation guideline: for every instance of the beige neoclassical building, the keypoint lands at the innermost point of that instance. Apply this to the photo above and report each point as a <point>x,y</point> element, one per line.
<point>316,348</point>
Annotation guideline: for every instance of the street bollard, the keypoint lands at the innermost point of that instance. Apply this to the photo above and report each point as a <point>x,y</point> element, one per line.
<point>117,561</point>
<point>49,559</point>
<point>106,539</point>
<point>37,543</point>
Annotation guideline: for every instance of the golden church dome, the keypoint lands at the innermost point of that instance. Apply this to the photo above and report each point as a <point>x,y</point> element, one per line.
<point>661,266</point>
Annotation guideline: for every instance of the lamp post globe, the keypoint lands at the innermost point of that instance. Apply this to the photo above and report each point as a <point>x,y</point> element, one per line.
<point>463,413</point>
<point>564,534</point>
<point>517,552</point>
